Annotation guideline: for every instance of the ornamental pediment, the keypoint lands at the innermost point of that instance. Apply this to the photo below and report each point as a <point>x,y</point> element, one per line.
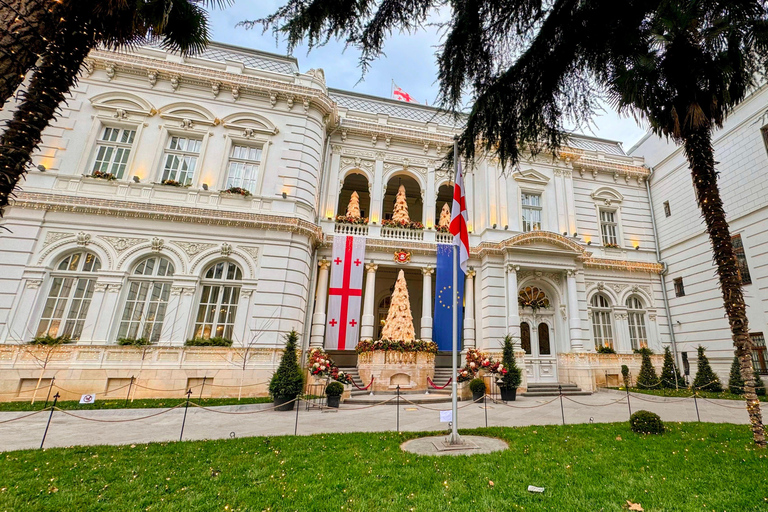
<point>531,177</point>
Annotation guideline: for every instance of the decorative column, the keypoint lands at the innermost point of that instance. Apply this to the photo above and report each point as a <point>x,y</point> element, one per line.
<point>21,323</point>
<point>89,333</point>
<point>426,304</point>
<point>574,322</point>
<point>621,340</point>
<point>366,325</point>
<point>562,226</point>
<point>377,191</point>
<point>108,311</point>
<point>318,319</point>
<point>469,311</point>
<point>243,336</point>
<point>513,322</point>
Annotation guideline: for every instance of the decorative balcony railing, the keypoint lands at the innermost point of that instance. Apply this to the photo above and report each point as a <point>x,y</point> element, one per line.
<point>444,238</point>
<point>351,229</point>
<point>402,234</point>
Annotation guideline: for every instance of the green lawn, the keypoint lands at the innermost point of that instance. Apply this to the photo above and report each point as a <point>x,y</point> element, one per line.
<point>136,404</point>
<point>725,395</point>
<point>694,466</point>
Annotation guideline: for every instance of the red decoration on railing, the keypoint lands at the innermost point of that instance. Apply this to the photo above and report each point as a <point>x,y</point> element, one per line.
<point>362,389</point>
<point>429,381</point>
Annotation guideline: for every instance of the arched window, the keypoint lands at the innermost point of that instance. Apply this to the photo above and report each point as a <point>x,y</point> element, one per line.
<point>525,337</point>
<point>602,325</point>
<point>149,288</point>
<point>70,296</point>
<point>218,303</point>
<point>544,349</point>
<point>636,319</point>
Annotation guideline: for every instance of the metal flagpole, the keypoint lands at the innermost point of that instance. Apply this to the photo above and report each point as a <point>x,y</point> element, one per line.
<point>454,339</point>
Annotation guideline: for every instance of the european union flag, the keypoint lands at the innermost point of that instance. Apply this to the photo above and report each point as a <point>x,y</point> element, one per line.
<point>442,330</point>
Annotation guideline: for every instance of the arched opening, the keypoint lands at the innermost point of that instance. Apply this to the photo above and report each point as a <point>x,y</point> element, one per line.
<point>602,322</point>
<point>149,289</point>
<point>525,337</point>
<point>412,196</point>
<point>354,182</point>
<point>638,334</point>
<point>444,196</point>
<point>544,349</point>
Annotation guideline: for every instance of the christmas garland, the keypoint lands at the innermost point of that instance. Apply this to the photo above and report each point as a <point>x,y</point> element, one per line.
<point>237,190</point>
<point>343,219</point>
<point>396,346</point>
<point>389,223</point>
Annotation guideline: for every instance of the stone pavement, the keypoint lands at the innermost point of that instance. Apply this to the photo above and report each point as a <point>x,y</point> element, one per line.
<point>111,427</point>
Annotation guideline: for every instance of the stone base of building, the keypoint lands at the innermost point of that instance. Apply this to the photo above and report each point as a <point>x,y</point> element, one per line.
<point>591,371</point>
<point>389,369</point>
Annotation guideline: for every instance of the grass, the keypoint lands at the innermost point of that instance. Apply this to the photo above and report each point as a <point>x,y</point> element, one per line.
<point>121,404</point>
<point>694,466</point>
<point>725,395</point>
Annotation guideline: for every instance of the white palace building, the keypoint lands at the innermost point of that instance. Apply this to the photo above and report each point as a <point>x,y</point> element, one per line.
<point>609,244</point>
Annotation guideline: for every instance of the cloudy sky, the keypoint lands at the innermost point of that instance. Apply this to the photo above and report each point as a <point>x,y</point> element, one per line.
<point>409,61</point>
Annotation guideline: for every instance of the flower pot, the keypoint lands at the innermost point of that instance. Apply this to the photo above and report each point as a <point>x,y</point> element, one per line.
<point>282,403</point>
<point>477,396</point>
<point>508,395</point>
<point>333,400</point>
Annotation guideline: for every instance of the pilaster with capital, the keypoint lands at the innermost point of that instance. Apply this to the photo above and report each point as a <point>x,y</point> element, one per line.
<point>469,310</point>
<point>574,322</point>
<point>368,319</point>
<point>621,340</point>
<point>317,334</point>
<point>513,315</point>
<point>426,303</point>
<point>377,191</point>
<point>333,183</point>
<point>22,322</point>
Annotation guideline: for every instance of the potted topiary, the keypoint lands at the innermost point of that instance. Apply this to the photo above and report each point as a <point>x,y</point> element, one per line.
<point>333,392</point>
<point>477,386</point>
<point>287,381</point>
<point>510,373</point>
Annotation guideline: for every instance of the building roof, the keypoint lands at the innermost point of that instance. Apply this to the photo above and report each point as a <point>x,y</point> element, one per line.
<point>394,108</point>
<point>256,59</point>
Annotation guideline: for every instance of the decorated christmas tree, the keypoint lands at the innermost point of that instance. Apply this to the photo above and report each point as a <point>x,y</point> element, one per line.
<point>647,378</point>
<point>399,323</point>
<point>735,382</point>
<point>670,376</point>
<point>400,213</point>
<point>445,217</point>
<point>706,378</point>
<point>353,208</point>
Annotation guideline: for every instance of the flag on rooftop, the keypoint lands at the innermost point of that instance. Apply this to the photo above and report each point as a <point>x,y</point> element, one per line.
<point>399,94</point>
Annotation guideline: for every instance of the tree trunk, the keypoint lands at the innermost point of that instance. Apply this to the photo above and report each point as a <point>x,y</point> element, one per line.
<point>50,83</point>
<point>27,25</point>
<point>700,154</point>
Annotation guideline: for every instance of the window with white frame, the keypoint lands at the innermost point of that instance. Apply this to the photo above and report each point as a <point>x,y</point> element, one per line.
<point>218,302</point>
<point>243,168</point>
<point>148,290</point>
<point>112,151</point>
<point>531,204</point>
<point>638,336</point>
<point>70,296</point>
<point>602,322</point>
<point>609,228</point>
<point>180,159</point>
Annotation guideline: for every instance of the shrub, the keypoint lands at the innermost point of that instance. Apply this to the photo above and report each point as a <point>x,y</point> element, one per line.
<point>133,342</point>
<point>647,379</point>
<point>643,350</point>
<point>670,376</point>
<point>477,386</point>
<point>646,422</point>
<point>50,341</point>
<point>759,386</point>
<point>287,381</point>
<point>625,375</point>
<point>216,341</point>
<point>511,379</point>
<point>706,378</point>
<point>735,382</point>
<point>605,349</point>
<point>334,389</point>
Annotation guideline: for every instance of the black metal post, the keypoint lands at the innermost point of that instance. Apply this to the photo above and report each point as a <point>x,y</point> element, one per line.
<point>296,425</point>
<point>201,389</point>
<point>50,388</point>
<point>130,385</point>
<point>485,406</point>
<point>628,404</point>
<point>184,421</point>
<point>696,403</point>
<point>562,411</point>
<point>398,407</point>
<point>55,399</point>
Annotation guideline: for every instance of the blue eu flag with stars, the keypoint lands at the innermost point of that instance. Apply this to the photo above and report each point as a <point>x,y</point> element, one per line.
<point>442,329</point>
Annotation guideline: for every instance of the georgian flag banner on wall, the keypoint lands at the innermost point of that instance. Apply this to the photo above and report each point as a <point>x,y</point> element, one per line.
<point>342,328</point>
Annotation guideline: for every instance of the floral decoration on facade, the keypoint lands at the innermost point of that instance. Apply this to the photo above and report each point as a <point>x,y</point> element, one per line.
<point>343,219</point>
<point>173,183</point>
<point>611,245</point>
<point>405,224</point>
<point>237,190</point>
<point>396,346</point>
<point>103,175</point>
<point>477,360</point>
<point>443,229</point>
<point>533,298</point>
<point>322,366</point>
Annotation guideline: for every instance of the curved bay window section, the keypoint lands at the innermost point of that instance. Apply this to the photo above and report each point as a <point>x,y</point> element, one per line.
<point>218,302</point>
<point>602,324</point>
<point>638,334</point>
<point>70,296</point>
<point>145,307</point>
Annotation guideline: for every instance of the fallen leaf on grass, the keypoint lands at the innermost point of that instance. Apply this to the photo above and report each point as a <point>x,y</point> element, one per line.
<point>634,506</point>
<point>490,483</point>
<point>618,438</point>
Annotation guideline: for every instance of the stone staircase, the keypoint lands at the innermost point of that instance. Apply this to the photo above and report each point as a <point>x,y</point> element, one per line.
<point>434,396</point>
<point>553,389</point>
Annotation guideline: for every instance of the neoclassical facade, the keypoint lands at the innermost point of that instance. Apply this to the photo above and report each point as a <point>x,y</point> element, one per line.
<point>181,198</point>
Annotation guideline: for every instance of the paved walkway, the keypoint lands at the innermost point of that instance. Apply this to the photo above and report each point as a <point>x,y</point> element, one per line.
<point>113,426</point>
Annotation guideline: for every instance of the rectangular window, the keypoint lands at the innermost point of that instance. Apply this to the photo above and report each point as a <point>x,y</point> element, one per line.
<point>531,212</point>
<point>741,259</point>
<point>679,288</point>
<point>243,168</point>
<point>181,159</point>
<point>667,209</point>
<point>608,228</point>
<point>759,357</point>
<point>112,151</point>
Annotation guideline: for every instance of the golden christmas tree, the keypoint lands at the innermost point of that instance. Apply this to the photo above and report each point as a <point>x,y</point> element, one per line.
<point>353,208</point>
<point>400,213</point>
<point>399,323</point>
<point>445,217</point>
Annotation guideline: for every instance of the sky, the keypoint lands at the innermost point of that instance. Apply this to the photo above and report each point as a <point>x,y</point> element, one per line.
<point>409,60</point>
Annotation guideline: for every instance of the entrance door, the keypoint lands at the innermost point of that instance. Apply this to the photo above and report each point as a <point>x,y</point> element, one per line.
<point>538,343</point>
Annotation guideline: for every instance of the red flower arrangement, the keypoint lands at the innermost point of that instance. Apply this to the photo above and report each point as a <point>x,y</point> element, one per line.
<point>396,346</point>
<point>343,219</point>
<point>476,361</point>
<point>320,365</point>
<point>443,229</point>
<point>103,175</point>
<point>389,223</point>
<point>237,190</point>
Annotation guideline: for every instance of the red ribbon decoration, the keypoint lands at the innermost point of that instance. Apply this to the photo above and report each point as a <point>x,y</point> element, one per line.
<point>429,381</point>
<point>359,388</point>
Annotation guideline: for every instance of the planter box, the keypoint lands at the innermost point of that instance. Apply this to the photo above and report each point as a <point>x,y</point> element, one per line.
<point>389,369</point>
<point>590,370</point>
<point>282,403</point>
<point>333,401</point>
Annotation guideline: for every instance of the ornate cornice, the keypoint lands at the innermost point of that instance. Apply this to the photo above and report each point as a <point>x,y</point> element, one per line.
<point>533,237</point>
<point>631,266</point>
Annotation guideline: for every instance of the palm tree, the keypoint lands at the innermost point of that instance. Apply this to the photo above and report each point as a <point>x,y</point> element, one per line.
<point>180,24</point>
<point>534,67</point>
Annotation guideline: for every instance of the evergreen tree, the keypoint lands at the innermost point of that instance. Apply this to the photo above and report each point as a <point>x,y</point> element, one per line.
<point>735,382</point>
<point>353,208</point>
<point>670,376</point>
<point>706,378</point>
<point>400,212</point>
<point>399,323</point>
<point>288,381</point>
<point>647,378</point>
<point>511,379</point>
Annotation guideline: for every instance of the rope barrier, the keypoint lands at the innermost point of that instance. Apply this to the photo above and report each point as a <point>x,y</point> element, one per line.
<point>85,418</point>
<point>594,405</point>
<point>721,405</point>
<point>506,404</point>
<point>358,387</point>
<point>25,416</point>
<point>664,400</point>
<point>244,412</point>
<point>429,381</point>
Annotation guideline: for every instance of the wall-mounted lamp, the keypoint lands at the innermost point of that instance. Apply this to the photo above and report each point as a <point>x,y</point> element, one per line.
<point>41,168</point>
<point>565,233</point>
<point>506,226</point>
<point>637,247</point>
<point>589,242</point>
<point>494,226</point>
<point>285,195</point>
<point>575,234</point>
<point>205,186</point>
<point>136,179</point>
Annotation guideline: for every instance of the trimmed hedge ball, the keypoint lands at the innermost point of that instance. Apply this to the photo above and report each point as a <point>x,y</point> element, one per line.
<point>646,422</point>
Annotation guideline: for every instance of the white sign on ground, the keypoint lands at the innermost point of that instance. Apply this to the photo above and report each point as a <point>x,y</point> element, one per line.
<point>446,416</point>
<point>87,399</point>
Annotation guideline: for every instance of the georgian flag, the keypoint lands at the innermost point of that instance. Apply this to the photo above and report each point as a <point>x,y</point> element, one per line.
<point>342,329</point>
<point>458,225</point>
<point>399,94</point>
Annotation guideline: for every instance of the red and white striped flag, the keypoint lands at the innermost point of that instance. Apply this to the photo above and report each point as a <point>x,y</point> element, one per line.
<point>343,321</point>
<point>399,94</point>
<point>458,225</point>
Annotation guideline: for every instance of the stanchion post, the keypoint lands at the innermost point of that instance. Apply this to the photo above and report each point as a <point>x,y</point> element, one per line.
<point>50,388</point>
<point>184,421</point>
<point>296,424</point>
<point>485,406</point>
<point>696,403</point>
<point>50,416</point>
<point>130,385</point>
<point>201,389</point>
<point>628,404</point>
<point>398,407</point>
<point>562,410</point>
